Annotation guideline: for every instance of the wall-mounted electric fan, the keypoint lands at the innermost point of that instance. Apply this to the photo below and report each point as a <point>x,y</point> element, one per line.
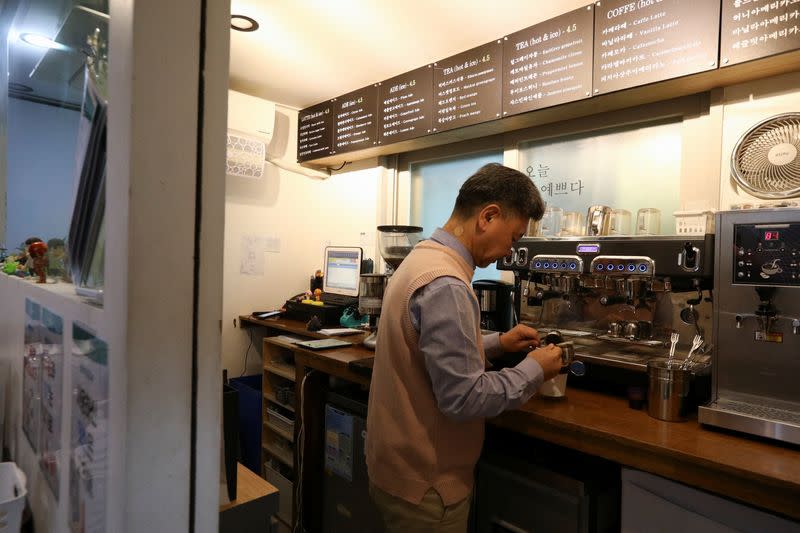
<point>765,161</point>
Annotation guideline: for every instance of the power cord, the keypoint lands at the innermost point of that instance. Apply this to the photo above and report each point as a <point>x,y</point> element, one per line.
<point>340,168</point>
<point>247,352</point>
<point>298,491</point>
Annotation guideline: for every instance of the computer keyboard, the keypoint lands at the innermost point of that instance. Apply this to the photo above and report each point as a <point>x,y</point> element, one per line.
<point>338,299</point>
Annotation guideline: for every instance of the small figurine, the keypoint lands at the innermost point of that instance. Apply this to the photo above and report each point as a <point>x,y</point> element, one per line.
<point>25,258</point>
<point>318,295</point>
<point>10,267</point>
<point>316,281</point>
<point>37,251</point>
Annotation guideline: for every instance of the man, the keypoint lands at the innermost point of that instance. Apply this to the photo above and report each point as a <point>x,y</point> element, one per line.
<point>430,390</point>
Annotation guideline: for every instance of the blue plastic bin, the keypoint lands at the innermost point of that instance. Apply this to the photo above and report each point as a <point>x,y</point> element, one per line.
<point>250,402</point>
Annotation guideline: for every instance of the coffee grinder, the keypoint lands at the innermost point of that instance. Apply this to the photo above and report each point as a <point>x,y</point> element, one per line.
<point>394,244</point>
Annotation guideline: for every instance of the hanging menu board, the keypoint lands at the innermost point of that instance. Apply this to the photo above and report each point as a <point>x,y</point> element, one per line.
<point>752,29</point>
<point>315,131</point>
<point>646,41</point>
<point>354,120</point>
<point>467,87</point>
<point>405,103</point>
<point>549,63</point>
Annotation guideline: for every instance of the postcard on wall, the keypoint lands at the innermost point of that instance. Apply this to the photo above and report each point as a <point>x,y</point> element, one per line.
<point>88,464</point>
<point>31,365</point>
<point>52,378</point>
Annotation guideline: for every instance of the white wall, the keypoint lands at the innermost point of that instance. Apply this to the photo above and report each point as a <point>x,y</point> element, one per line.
<point>304,215</point>
<point>41,163</point>
<point>743,106</point>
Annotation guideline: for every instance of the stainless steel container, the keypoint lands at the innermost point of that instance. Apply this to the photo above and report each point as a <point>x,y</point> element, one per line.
<point>668,391</point>
<point>598,220</point>
<point>370,293</point>
<point>487,298</point>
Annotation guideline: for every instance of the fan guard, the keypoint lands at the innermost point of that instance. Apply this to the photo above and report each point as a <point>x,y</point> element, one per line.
<point>765,160</point>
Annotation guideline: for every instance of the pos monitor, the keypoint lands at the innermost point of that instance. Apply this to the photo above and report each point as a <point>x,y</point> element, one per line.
<point>342,270</point>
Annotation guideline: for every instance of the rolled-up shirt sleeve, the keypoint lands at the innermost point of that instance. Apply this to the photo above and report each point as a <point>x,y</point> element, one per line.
<point>445,314</point>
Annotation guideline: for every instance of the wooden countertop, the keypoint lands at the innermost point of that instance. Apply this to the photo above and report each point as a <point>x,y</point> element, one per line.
<point>256,501</point>
<point>759,472</point>
<point>249,487</point>
<point>756,471</point>
<point>283,324</point>
<point>334,361</point>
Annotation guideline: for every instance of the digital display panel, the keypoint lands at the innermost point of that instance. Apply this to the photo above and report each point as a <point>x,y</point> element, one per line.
<point>771,235</point>
<point>593,248</point>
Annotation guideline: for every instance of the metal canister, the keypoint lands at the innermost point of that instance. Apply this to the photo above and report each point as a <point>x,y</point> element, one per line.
<point>598,220</point>
<point>370,293</point>
<point>487,298</point>
<point>668,390</point>
<point>631,330</point>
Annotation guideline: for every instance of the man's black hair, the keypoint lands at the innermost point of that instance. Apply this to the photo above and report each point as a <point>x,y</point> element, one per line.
<point>512,190</point>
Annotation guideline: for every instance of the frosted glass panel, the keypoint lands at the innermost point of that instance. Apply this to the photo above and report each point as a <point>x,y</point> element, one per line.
<point>628,169</point>
<point>434,187</point>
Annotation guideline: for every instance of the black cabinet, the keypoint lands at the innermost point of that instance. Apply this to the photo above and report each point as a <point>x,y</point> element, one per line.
<point>524,485</point>
<point>347,505</point>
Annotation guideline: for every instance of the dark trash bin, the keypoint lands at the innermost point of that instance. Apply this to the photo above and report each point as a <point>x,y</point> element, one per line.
<point>250,402</point>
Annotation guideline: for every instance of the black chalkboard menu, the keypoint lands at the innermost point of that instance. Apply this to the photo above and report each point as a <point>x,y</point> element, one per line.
<point>315,131</point>
<point>405,105</point>
<point>467,87</point>
<point>549,63</point>
<point>752,29</point>
<point>355,120</point>
<point>644,41</point>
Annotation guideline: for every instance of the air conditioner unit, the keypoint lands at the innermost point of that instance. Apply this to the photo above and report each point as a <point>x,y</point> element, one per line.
<point>251,122</point>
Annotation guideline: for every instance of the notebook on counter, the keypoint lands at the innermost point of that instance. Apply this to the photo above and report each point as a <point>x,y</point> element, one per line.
<point>321,344</point>
<point>340,331</point>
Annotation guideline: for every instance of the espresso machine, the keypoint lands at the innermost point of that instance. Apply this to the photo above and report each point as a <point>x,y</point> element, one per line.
<point>757,324</point>
<point>621,300</point>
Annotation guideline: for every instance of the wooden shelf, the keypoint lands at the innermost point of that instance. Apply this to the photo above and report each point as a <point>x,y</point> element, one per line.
<point>280,369</point>
<point>645,94</point>
<point>284,456</point>
<point>271,398</point>
<point>280,431</point>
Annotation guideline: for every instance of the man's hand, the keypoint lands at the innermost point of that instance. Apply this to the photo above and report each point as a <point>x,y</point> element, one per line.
<point>521,338</point>
<point>549,357</point>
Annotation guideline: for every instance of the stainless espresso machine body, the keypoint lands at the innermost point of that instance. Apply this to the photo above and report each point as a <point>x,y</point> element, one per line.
<point>757,324</point>
<point>619,299</point>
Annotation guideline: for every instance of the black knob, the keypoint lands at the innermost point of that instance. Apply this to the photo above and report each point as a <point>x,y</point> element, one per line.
<point>690,255</point>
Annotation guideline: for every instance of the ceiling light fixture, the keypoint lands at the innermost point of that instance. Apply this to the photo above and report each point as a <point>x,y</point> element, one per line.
<point>35,39</point>
<point>243,23</point>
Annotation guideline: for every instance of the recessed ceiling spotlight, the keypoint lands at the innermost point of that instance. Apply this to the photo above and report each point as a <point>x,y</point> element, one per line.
<point>41,41</point>
<point>243,23</point>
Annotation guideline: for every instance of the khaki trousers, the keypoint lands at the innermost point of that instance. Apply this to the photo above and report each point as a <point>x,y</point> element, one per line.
<point>431,515</point>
